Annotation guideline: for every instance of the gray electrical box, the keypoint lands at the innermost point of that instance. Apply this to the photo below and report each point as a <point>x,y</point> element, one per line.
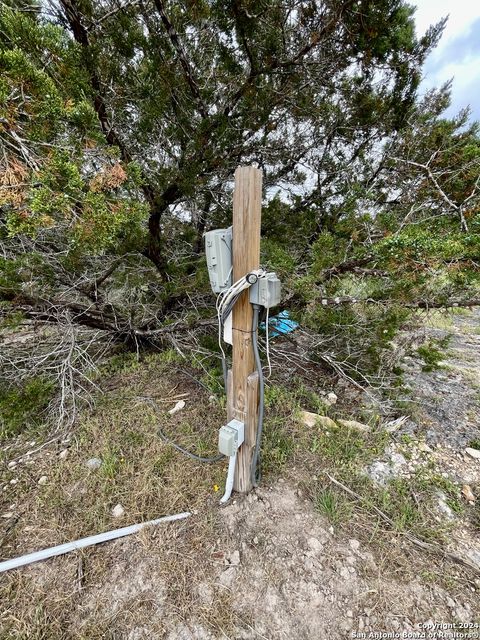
<point>230,437</point>
<point>266,291</point>
<point>218,251</point>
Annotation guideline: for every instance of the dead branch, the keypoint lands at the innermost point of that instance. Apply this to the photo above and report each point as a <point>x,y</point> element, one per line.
<point>426,546</point>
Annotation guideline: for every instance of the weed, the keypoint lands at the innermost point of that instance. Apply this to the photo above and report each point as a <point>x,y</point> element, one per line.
<point>474,444</point>
<point>20,406</point>
<point>277,447</point>
<point>120,363</point>
<point>110,464</point>
<point>335,507</point>
<point>432,352</point>
<point>277,397</point>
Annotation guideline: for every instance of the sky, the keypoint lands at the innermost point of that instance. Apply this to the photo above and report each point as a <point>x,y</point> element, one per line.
<point>457,55</point>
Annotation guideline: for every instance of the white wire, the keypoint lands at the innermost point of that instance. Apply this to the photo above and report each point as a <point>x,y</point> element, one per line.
<point>227,295</point>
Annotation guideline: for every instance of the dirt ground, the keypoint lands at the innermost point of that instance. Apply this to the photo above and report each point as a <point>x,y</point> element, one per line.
<point>270,565</point>
<point>270,568</point>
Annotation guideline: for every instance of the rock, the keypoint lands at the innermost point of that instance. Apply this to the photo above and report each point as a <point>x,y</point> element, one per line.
<point>227,577</point>
<point>12,464</point>
<point>332,398</point>
<point>443,506</point>
<point>178,407</point>
<point>474,556</point>
<point>394,425</point>
<point>205,593</point>
<point>42,481</point>
<point>7,515</point>
<point>212,399</point>
<point>398,460</point>
<point>94,463</point>
<point>473,453</point>
<point>63,454</point>
<point>326,422</point>
<point>423,446</point>
<point>468,493</point>
<point>345,573</point>
<point>353,424</point>
<point>309,419</point>
<point>354,544</point>
<point>118,511</point>
<point>346,625</point>
<point>380,472</point>
<point>234,558</point>
<point>315,545</point>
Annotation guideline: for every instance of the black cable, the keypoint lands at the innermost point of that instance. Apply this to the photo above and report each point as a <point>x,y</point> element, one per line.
<point>176,446</point>
<point>256,474</point>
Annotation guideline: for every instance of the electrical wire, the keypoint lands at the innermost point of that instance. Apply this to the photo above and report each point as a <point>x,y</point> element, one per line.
<point>176,446</point>
<point>226,300</point>
<point>255,473</point>
<point>267,344</point>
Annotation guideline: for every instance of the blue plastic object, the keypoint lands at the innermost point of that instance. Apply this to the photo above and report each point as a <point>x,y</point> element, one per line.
<point>280,324</point>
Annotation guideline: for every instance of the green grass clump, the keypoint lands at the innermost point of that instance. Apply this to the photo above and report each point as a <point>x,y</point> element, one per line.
<point>432,353</point>
<point>333,505</point>
<point>474,444</point>
<point>20,406</point>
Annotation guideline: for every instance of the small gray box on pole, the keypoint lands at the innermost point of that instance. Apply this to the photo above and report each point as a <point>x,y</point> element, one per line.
<point>218,250</point>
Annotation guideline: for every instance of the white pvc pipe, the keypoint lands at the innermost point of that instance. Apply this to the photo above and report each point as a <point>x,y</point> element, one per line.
<point>230,475</point>
<point>85,542</point>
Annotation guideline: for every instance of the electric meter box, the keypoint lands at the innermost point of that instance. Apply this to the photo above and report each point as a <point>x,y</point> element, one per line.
<point>266,291</point>
<point>218,251</point>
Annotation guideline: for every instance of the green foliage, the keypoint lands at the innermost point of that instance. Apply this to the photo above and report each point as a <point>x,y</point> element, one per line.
<point>370,328</point>
<point>21,406</point>
<point>277,446</point>
<point>475,444</point>
<point>333,505</point>
<point>432,354</point>
<point>11,320</point>
<point>122,142</point>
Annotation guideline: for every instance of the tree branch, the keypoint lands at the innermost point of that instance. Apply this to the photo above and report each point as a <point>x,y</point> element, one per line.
<point>177,45</point>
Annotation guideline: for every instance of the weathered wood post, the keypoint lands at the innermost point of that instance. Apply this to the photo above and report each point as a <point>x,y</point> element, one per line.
<point>243,379</point>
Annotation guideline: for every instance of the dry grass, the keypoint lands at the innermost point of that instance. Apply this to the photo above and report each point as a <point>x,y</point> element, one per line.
<point>162,581</point>
<point>142,473</point>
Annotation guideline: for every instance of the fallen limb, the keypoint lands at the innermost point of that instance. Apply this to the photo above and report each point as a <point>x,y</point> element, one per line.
<point>426,546</point>
<point>419,304</point>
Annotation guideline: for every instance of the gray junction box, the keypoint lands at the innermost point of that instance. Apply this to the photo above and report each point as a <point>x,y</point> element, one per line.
<point>218,250</point>
<point>266,291</point>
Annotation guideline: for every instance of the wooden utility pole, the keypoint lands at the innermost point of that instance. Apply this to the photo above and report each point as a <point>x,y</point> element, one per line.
<point>243,379</point>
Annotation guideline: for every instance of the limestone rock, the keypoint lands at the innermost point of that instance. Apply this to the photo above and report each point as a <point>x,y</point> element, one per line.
<point>353,424</point>
<point>332,398</point>
<point>118,511</point>
<point>94,463</point>
<point>311,419</point>
<point>473,453</point>
<point>178,407</point>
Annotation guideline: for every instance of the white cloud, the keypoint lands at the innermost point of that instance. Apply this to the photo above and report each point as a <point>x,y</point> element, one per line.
<point>443,63</point>
<point>461,15</point>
